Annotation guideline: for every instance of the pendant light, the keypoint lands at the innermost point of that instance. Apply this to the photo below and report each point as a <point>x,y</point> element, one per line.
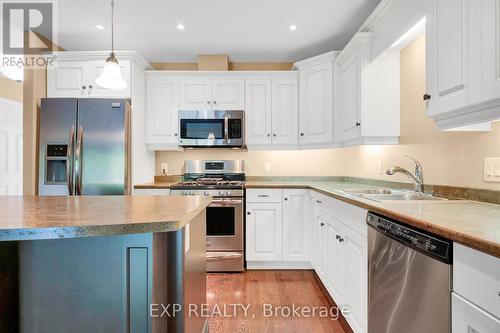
<point>111,76</point>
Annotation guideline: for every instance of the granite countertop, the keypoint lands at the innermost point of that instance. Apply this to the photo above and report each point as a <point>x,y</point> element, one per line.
<point>471,223</point>
<point>52,217</point>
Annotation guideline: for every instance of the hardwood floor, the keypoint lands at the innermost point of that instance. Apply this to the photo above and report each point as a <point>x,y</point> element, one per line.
<point>259,290</point>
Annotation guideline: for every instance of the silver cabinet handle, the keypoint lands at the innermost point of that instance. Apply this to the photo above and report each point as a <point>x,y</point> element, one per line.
<point>263,196</point>
<point>322,224</point>
<point>78,156</point>
<point>319,201</point>
<point>69,160</point>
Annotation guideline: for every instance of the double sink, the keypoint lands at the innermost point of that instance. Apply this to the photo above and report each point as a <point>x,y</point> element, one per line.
<point>382,194</point>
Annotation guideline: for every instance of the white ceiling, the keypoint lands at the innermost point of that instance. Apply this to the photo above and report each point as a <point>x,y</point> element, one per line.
<point>246,30</point>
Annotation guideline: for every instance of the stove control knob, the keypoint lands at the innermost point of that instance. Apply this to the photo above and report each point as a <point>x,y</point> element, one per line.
<point>206,193</point>
<point>221,193</point>
<point>227,193</point>
<point>184,193</point>
<point>191,193</point>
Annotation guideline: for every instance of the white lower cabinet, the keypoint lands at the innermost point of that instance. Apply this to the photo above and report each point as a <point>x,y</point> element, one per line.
<point>340,256</point>
<point>264,231</point>
<point>468,318</point>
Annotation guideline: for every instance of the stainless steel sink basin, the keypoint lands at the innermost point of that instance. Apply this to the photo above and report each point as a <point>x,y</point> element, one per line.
<point>384,194</point>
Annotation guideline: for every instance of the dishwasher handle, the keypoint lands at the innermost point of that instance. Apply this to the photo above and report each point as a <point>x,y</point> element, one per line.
<point>431,245</point>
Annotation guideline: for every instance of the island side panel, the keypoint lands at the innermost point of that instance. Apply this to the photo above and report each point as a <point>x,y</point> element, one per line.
<point>9,298</point>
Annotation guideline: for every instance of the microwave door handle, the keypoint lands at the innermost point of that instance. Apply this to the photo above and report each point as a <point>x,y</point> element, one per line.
<point>69,160</point>
<point>226,129</point>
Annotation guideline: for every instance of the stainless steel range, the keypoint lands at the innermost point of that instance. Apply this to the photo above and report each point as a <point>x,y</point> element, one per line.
<point>224,181</point>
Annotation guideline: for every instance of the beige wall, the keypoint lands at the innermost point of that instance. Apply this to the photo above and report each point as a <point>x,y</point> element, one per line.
<point>448,158</point>
<point>11,89</point>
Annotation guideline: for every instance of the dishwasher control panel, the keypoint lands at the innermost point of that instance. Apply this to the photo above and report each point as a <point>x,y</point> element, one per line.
<point>423,241</point>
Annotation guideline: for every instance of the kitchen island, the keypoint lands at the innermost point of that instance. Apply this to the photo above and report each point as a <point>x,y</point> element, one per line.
<point>99,263</point>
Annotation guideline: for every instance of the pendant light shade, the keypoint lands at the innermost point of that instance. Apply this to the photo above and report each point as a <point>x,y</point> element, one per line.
<point>111,76</point>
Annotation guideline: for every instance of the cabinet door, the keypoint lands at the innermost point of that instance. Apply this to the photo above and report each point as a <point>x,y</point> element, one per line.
<point>316,105</point>
<point>491,49</point>
<point>468,318</point>
<point>258,110</point>
<point>94,71</point>
<point>228,94</point>
<point>195,94</point>
<point>295,228</point>
<point>355,278</point>
<point>336,263</point>
<point>350,94</point>
<point>320,244</point>
<point>453,60</point>
<point>285,112</point>
<point>264,232</point>
<point>162,105</point>
<point>67,79</point>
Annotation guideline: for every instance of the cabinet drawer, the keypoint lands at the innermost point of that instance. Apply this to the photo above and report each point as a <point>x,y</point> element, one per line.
<point>264,195</point>
<point>466,317</point>
<point>350,215</point>
<point>476,277</point>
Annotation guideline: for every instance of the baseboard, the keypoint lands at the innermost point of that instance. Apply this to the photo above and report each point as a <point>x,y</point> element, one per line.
<point>342,321</point>
<point>278,265</point>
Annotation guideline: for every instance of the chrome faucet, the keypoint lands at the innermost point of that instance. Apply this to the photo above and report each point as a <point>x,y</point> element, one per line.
<point>417,179</point>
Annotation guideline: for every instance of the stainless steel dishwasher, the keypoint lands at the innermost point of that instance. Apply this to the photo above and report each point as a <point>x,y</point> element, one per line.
<point>409,279</point>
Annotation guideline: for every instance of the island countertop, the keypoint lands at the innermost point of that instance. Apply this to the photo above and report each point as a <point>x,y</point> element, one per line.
<point>53,217</point>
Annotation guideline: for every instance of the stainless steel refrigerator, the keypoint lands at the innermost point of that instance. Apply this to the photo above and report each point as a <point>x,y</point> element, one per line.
<point>84,147</point>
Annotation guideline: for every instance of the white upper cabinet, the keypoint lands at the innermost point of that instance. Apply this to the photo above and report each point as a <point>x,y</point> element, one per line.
<point>258,111</point>
<point>316,100</point>
<point>462,59</point>
<point>74,75</point>
<point>367,109</point>
<point>162,104</point>
<point>195,94</point>
<point>285,117</point>
<point>67,79</point>
<point>228,94</point>
<point>212,94</point>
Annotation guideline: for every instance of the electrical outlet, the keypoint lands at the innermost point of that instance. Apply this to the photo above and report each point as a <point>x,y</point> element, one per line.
<point>380,167</point>
<point>267,167</point>
<point>492,169</point>
<point>164,169</point>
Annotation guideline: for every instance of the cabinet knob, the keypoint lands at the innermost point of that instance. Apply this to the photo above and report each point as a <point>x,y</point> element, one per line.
<point>337,236</point>
<point>215,102</point>
<point>427,97</point>
<point>248,213</point>
<point>208,102</point>
<point>268,134</point>
<point>84,87</point>
<point>286,199</point>
<point>358,124</point>
<point>91,86</point>
<point>175,134</point>
<point>322,224</point>
<point>319,201</point>
<point>340,239</point>
<point>301,134</point>
<point>274,134</point>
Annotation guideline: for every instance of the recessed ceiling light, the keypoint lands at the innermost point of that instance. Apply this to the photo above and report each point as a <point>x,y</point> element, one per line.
<point>180,26</point>
<point>99,27</point>
<point>293,27</point>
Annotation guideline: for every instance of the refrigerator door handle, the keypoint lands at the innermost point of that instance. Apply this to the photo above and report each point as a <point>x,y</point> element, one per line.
<point>69,161</point>
<point>78,167</point>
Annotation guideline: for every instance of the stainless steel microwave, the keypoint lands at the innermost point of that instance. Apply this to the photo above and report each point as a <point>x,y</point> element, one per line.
<point>211,128</point>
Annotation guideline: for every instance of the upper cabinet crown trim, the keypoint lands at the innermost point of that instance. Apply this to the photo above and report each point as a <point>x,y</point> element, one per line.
<point>325,57</point>
<point>136,57</point>
<point>360,38</point>
<point>216,74</point>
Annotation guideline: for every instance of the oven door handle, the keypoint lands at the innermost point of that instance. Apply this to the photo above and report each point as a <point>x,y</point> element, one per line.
<point>223,256</point>
<point>226,129</point>
<point>226,203</point>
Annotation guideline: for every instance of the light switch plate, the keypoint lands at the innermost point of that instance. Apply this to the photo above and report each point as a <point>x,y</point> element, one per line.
<point>380,167</point>
<point>492,169</point>
<point>267,167</point>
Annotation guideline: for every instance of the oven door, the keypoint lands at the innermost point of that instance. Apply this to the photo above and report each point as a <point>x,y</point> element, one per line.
<point>211,128</point>
<point>225,225</point>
